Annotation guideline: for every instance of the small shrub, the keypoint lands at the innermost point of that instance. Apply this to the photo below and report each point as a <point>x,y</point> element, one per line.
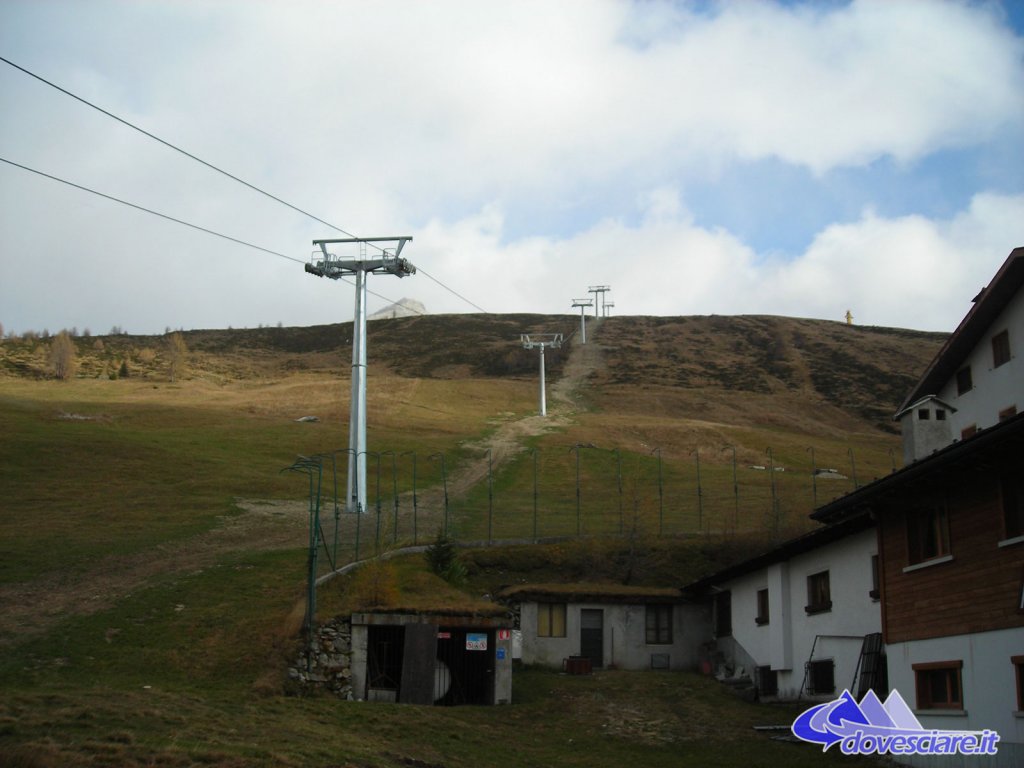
<point>443,560</point>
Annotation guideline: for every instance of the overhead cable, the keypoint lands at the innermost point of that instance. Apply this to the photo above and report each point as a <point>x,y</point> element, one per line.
<point>423,271</point>
<point>174,219</point>
<point>212,167</point>
<point>149,210</point>
<point>176,148</point>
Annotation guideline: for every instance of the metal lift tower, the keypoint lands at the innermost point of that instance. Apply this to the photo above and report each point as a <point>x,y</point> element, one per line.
<point>542,340</point>
<point>598,289</point>
<point>582,304</point>
<point>388,262</point>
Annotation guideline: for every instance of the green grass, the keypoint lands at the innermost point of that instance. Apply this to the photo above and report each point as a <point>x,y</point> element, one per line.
<point>607,719</point>
<point>137,476</point>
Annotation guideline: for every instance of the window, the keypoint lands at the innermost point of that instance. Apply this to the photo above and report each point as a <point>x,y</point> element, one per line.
<point>762,607</point>
<point>964,382</point>
<point>940,414</point>
<point>1000,349</point>
<point>970,431</point>
<point>659,624</point>
<point>1018,674</point>
<point>767,681</point>
<point>821,676</point>
<point>819,597</point>
<point>938,685</point>
<point>876,591</point>
<point>1013,505</point>
<point>1008,413</point>
<point>923,414</point>
<point>927,533</point>
<point>551,620</point>
<point>723,614</point>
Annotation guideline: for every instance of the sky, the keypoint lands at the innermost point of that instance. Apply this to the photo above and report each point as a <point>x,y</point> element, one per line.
<point>786,158</point>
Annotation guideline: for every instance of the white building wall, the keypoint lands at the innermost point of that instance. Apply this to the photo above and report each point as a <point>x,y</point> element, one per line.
<point>625,636</point>
<point>995,389</point>
<point>785,643</point>
<point>989,688</point>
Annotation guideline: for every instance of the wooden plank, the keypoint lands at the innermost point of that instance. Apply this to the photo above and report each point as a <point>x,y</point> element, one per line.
<point>418,663</point>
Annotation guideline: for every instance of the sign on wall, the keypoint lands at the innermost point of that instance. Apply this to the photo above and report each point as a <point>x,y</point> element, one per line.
<point>476,641</point>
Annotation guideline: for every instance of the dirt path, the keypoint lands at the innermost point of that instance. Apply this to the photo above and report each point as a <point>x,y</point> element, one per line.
<point>29,609</point>
<point>508,440</point>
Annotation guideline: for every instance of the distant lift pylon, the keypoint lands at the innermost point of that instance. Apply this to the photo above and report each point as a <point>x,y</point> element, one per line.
<point>388,262</point>
<point>542,340</point>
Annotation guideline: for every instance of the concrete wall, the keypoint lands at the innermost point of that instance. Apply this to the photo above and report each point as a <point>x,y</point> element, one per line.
<point>625,636</point>
<point>785,642</point>
<point>989,688</point>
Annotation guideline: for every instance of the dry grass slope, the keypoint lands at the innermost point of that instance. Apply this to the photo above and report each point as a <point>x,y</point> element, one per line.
<point>148,612</point>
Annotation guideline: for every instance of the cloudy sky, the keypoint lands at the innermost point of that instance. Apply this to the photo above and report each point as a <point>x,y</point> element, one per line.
<point>796,158</point>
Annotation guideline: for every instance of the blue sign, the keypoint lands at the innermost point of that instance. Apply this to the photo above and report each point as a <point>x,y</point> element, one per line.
<point>500,654</point>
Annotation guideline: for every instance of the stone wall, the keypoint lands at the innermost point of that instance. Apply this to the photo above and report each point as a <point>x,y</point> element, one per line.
<point>326,664</point>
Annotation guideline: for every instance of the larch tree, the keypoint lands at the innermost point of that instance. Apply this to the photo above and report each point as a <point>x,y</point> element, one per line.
<point>177,355</point>
<point>62,356</point>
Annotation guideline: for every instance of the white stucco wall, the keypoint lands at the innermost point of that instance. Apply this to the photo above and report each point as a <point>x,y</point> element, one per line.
<point>994,388</point>
<point>625,636</point>
<point>989,687</point>
<point>785,643</point>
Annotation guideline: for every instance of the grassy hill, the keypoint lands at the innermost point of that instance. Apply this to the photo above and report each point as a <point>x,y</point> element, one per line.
<point>152,551</point>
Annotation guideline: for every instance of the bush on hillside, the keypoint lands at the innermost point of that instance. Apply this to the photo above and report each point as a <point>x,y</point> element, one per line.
<point>443,560</point>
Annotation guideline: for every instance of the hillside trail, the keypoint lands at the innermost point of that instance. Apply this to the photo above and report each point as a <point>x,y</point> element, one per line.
<point>28,609</point>
<point>509,439</point>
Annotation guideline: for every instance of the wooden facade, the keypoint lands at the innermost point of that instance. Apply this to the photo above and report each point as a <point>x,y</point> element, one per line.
<point>976,587</point>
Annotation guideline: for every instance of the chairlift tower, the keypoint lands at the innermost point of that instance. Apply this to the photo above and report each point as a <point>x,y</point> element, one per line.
<point>542,340</point>
<point>606,306</point>
<point>388,262</point>
<point>583,304</point>
<point>598,289</point>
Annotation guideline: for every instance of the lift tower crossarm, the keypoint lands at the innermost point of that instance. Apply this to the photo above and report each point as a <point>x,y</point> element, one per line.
<point>334,268</point>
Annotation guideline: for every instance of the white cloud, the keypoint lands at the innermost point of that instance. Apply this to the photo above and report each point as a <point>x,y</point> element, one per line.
<point>441,119</point>
<point>905,272</point>
<point>461,100</point>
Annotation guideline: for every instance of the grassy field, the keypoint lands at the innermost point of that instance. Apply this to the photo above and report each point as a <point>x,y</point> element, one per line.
<point>152,552</point>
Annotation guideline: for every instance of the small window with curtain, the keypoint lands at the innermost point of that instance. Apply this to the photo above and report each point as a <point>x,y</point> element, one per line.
<point>938,685</point>
<point>819,593</point>
<point>927,533</point>
<point>964,382</point>
<point>1000,349</point>
<point>659,624</point>
<point>551,620</point>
